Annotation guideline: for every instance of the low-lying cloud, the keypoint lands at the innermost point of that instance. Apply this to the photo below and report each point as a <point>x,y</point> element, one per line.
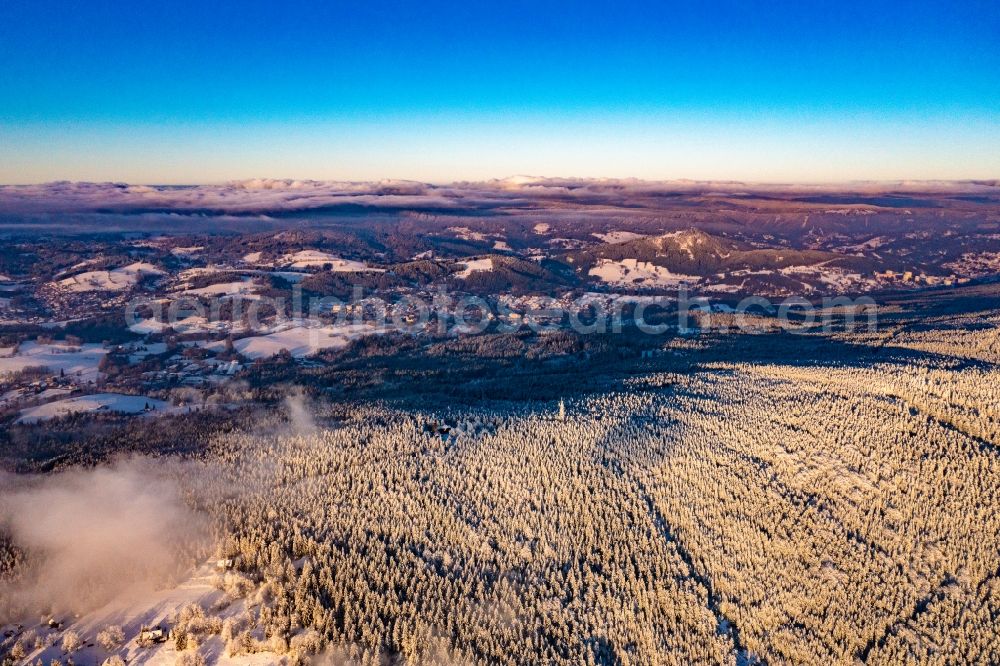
<point>88,535</point>
<point>270,196</point>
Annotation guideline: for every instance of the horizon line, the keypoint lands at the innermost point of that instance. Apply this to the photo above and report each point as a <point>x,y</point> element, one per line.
<point>522,180</point>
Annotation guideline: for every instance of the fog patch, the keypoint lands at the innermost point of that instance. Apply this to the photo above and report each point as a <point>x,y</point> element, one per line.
<point>300,416</point>
<point>88,535</point>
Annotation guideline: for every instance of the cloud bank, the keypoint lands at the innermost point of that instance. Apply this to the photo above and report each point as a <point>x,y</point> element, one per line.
<point>268,196</point>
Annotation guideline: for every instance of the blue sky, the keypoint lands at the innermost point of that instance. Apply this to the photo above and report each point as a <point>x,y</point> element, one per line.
<point>203,92</point>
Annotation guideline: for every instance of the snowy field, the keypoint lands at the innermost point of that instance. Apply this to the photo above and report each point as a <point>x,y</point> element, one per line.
<point>14,395</point>
<point>474,265</point>
<point>318,259</point>
<point>189,324</point>
<point>244,286</point>
<point>465,233</point>
<point>619,236</point>
<point>79,361</point>
<point>301,341</point>
<point>119,279</point>
<point>639,273</point>
<point>98,402</point>
<point>197,271</point>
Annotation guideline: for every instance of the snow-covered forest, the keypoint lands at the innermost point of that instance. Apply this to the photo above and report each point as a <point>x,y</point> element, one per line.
<point>787,514</point>
<point>742,509</point>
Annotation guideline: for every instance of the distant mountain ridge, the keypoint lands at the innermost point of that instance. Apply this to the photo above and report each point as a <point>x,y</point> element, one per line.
<point>696,252</point>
